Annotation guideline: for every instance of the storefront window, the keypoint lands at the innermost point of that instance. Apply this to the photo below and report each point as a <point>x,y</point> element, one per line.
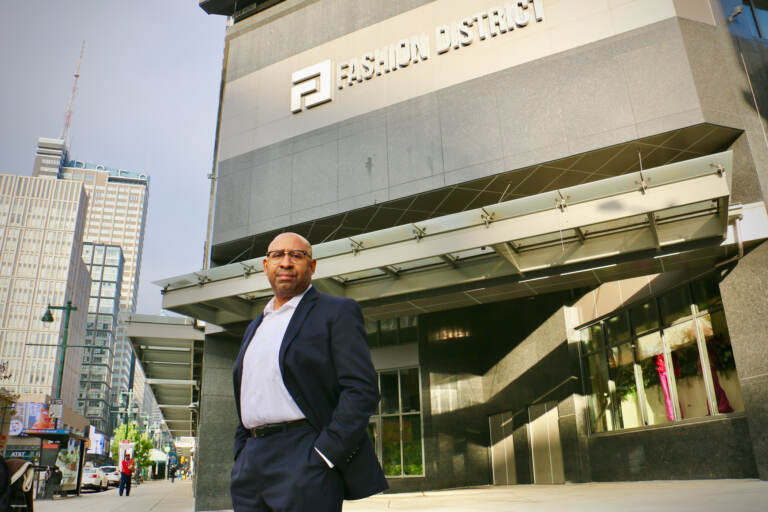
<point>655,385</point>
<point>389,393</point>
<point>409,388</point>
<point>412,463</point>
<point>396,432</point>
<point>644,317</point>
<point>616,329</point>
<point>665,360</point>
<point>390,446</point>
<point>725,381</point>
<point>600,409</point>
<point>593,337</point>
<point>622,372</point>
<point>675,305</point>
<point>691,393</point>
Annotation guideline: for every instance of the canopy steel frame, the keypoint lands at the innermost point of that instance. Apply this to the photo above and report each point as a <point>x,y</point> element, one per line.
<point>550,233</point>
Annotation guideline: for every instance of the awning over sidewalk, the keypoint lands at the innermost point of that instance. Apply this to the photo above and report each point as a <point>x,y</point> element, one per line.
<point>170,351</point>
<point>637,223</point>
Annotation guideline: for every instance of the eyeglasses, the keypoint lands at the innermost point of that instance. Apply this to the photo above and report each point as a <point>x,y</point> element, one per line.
<point>295,255</point>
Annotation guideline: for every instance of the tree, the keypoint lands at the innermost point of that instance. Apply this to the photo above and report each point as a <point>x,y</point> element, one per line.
<point>141,444</point>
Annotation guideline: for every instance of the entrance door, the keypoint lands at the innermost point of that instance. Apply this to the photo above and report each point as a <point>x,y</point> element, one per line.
<point>502,449</point>
<point>546,451</point>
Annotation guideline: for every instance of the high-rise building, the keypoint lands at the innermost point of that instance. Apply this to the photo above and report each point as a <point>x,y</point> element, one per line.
<point>105,264</point>
<point>41,228</point>
<point>116,216</point>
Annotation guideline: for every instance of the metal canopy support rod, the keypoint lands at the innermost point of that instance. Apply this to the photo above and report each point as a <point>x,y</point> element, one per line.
<point>449,260</point>
<point>654,230</point>
<point>506,252</point>
<point>388,270</point>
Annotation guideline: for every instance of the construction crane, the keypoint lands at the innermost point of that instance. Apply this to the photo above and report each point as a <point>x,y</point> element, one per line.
<point>68,115</point>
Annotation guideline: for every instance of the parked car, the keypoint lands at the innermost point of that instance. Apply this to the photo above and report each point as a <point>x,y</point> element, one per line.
<point>113,475</point>
<point>94,478</point>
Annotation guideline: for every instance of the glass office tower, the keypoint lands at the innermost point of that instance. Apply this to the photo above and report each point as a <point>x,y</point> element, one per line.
<point>105,264</point>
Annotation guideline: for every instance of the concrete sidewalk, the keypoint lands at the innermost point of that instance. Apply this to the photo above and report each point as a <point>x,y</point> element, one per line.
<point>158,496</point>
<point>659,496</point>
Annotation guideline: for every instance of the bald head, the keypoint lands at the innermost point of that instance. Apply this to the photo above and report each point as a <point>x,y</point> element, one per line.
<point>293,237</point>
<point>289,266</point>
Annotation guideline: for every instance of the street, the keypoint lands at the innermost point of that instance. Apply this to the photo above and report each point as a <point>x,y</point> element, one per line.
<point>679,496</point>
<point>159,495</point>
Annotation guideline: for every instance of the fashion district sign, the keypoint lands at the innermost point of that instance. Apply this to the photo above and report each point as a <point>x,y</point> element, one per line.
<point>314,85</point>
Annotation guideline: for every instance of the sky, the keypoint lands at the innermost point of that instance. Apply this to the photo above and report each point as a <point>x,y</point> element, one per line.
<point>147,101</point>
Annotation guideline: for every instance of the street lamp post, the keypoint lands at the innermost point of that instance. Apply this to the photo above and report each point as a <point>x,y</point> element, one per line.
<point>48,318</point>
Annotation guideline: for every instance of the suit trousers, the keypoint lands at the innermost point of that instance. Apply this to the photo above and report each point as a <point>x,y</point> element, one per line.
<point>282,472</point>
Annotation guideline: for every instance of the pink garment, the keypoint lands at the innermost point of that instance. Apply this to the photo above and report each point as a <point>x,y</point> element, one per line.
<point>661,369</point>
<point>723,405</point>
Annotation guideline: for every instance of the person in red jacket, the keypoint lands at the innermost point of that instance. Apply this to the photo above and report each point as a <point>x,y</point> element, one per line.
<point>127,466</point>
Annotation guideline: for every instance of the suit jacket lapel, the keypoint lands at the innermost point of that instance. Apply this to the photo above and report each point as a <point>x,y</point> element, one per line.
<point>304,307</point>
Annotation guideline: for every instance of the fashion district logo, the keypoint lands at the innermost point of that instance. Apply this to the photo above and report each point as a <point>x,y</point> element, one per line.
<point>314,85</point>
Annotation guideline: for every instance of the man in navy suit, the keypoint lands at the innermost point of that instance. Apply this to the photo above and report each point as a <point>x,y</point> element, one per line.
<point>305,389</point>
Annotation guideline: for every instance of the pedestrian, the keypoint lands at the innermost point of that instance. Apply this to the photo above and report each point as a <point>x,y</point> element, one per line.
<point>305,388</point>
<point>127,467</point>
<point>172,473</point>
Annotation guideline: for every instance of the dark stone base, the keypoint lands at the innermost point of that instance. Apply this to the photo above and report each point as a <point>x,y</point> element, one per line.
<point>717,448</point>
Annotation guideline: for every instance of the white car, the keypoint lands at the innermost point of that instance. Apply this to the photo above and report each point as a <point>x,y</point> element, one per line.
<point>113,475</point>
<point>94,478</point>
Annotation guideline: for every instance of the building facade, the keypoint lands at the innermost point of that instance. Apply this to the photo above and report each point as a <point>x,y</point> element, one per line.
<point>42,225</point>
<point>551,212</point>
<point>96,398</point>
